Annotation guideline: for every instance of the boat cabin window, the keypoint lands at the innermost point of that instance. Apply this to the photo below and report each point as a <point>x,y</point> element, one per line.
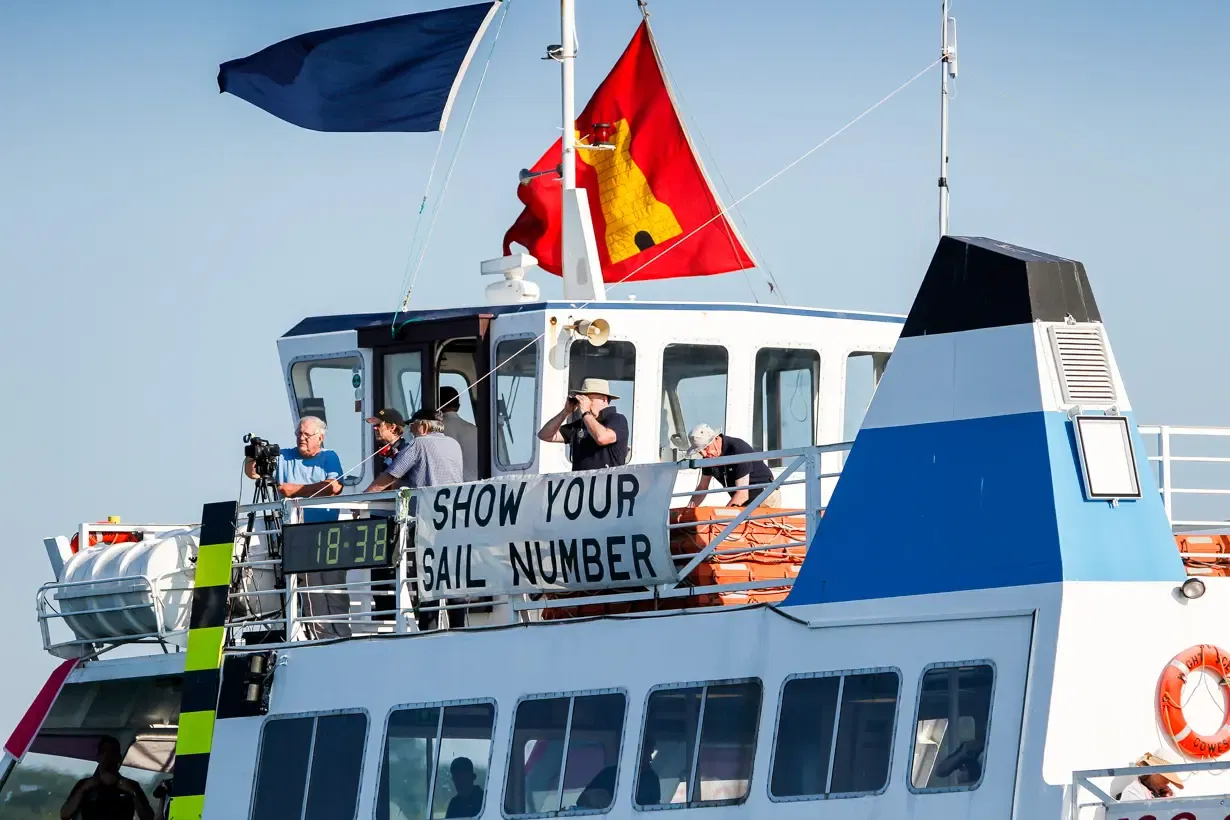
<point>614,361</point>
<point>436,756</point>
<point>863,371</point>
<point>808,761</point>
<point>403,381</point>
<point>954,708</point>
<point>693,391</point>
<point>784,412</point>
<point>564,754</point>
<point>516,402</point>
<point>698,744</point>
<point>320,756</point>
<point>325,388</point>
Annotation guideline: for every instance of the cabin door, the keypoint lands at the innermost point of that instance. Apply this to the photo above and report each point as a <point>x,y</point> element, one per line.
<point>432,363</point>
<point>988,667</point>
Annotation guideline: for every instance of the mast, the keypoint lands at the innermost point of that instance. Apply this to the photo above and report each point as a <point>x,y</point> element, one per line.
<point>567,64</point>
<point>948,58</point>
<point>580,265</point>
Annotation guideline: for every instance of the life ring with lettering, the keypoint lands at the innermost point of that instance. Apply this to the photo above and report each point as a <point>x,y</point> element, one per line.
<point>1170,701</point>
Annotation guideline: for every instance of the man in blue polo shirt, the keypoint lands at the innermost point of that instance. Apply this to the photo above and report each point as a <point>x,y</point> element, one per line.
<point>308,470</point>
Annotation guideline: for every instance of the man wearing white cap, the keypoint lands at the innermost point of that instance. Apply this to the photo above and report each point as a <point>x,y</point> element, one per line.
<point>599,436</point>
<point>709,443</point>
<point>1150,786</point>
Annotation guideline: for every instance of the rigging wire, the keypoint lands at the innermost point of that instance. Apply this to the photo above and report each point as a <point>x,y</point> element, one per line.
<point>774,288</point>
<point>413,275</point>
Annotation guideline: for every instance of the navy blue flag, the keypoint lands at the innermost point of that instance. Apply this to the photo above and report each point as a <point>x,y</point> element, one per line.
<point>397,74</point>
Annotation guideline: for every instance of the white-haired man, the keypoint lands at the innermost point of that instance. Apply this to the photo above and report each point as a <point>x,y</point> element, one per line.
<point>308,470</point>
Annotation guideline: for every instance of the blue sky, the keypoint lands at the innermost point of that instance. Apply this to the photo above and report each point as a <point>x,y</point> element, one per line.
<point>156,237</point>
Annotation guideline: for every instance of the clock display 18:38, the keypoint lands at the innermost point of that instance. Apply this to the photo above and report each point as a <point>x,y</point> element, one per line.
<point>336,545</point>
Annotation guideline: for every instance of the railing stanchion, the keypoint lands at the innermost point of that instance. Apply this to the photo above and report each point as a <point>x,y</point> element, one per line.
<point>1163,470</point>
<point>811,496</point>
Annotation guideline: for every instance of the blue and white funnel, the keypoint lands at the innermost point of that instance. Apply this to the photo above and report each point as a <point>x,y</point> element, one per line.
<point>967,472</point>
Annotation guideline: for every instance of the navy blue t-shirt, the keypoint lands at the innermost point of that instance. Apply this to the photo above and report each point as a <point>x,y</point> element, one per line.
<point>757,471</point>
<point>588,454</point>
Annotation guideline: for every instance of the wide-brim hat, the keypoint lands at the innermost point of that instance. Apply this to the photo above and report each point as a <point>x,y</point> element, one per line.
<point>600,386</point>
<point>702,436</point>
<point>1149,759</point>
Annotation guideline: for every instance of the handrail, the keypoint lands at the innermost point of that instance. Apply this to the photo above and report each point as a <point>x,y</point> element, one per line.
<point>1083,780</point>
<point>392,605</point>
<point>1165,459</point>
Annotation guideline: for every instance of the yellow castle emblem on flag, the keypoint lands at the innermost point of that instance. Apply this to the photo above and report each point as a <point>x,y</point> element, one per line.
<point>635,219</point>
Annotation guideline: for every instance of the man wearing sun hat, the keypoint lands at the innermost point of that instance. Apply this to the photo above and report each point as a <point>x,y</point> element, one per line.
<point>1151,786</point>
<point>599,435</point>
<point>709,443</point>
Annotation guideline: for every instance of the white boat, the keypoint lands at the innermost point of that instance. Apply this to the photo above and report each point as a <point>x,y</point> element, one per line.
<point>989,604</point>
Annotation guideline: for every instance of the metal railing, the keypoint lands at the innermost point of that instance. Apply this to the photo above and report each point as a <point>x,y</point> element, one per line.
<point>292,607</point>
<point>1089,795</point>
<point>270,606</point>
<point>1202,508</point>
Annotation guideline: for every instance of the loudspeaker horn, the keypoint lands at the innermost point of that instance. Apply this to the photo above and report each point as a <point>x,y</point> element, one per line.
<point>596,331</point>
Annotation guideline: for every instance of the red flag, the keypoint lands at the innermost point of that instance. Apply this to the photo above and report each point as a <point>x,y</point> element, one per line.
<point>648,197</point>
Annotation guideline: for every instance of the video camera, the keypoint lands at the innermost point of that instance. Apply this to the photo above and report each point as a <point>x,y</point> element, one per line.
<point>263,454</point>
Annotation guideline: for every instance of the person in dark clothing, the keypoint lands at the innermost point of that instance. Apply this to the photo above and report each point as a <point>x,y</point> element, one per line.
<point>599,436</point>
<point>106,794</point>
<point>468,800</point>
<point>709,443</point>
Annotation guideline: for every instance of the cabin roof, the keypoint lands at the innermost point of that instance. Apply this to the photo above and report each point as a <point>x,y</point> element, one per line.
<point>367,321</point>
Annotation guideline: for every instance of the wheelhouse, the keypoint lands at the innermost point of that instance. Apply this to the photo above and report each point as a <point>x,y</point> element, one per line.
<point>777,377</point>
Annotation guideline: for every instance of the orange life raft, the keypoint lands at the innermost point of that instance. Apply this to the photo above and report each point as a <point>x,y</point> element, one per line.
<point>1170,701</point>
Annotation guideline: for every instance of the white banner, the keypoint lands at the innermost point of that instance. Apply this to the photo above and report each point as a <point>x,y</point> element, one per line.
<point>600,529</point>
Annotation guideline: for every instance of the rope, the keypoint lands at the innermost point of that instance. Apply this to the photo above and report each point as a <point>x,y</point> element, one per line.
<point>414,274</point>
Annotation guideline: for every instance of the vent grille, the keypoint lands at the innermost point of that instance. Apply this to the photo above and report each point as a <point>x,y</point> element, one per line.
<point>1084,366</point>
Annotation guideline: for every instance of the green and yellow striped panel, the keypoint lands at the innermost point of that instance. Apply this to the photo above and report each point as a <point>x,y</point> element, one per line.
<point>203,664</point>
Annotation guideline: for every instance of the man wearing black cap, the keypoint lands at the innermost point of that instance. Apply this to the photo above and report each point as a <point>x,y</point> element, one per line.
<point>388,426</point>
<point>429,459</point>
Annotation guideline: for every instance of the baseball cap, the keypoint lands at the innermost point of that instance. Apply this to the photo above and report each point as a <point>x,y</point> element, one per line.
<point>702,436</point>
<point>390,415</point>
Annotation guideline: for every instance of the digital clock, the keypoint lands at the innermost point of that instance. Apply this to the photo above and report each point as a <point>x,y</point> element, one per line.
<point>336,545</point>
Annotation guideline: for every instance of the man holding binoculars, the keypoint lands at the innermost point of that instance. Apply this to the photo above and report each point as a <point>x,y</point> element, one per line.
<point>599,436</point>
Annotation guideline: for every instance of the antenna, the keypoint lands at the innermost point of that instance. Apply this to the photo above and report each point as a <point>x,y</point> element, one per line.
<point>948,58</point>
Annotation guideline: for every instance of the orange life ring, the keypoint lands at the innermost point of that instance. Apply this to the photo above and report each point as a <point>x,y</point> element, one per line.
<point>104,538</point>
<point>1170,701</point>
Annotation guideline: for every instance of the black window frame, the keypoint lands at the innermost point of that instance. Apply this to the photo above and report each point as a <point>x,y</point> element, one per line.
<point>700,725</point>
<point>512,736</point>
<point>909,780</point>
<point>892,750</point>
<point>441,705</point>
<point>307,783</point>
